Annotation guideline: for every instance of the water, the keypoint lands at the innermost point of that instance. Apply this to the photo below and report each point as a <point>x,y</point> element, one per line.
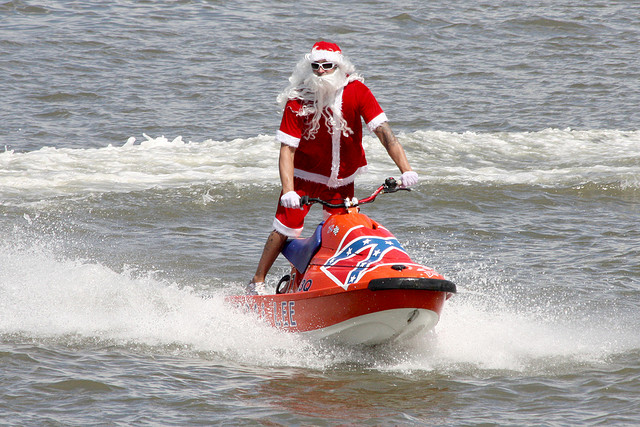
<point>138,181</point>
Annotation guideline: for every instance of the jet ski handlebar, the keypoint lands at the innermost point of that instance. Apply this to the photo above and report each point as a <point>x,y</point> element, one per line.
<point>390,186</point>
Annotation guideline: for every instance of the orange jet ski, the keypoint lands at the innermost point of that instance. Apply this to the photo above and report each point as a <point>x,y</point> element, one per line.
<point>352,282</point>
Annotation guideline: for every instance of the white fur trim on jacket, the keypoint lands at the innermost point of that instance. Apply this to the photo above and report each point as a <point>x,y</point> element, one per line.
<point>321,179</point>
<point>377,121</point>
<point>335,140</point>
<point>287,139</point>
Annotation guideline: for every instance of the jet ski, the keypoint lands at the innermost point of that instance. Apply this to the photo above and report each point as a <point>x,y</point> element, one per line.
<point>352,282</point>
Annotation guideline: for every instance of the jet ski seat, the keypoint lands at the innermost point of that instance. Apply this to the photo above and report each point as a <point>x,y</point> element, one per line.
<point>300,251</point>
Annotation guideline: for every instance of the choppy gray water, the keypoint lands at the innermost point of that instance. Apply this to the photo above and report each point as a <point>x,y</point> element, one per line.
<point>115,254</point>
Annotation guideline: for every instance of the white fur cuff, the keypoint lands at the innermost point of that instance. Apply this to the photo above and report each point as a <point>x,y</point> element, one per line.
<point>377,121</point>
<point>283,229</point>
<point>287,139</point>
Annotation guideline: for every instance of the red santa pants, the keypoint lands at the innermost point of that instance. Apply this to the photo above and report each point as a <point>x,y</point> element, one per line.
<point>290,222</point>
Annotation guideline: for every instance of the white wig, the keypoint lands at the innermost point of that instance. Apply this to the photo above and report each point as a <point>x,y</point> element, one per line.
<point>318,93</point>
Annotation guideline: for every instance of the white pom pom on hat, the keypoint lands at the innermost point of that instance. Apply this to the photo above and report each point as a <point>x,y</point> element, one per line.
<point>325,51</point>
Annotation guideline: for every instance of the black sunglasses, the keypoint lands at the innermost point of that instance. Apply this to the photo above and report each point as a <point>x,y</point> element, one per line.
<point>324,65</point>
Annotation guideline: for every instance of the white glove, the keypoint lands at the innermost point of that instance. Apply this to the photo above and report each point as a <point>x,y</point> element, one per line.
<point>409,178</point>
<point>291,200</point>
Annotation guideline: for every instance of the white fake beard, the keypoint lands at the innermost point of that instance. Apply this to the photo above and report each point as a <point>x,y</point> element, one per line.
<point>324,89</point>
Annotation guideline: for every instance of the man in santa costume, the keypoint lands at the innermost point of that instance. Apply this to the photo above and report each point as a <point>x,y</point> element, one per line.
<point>321,149</point>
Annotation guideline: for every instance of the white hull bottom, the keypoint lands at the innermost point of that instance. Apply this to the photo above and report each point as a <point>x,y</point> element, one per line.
<point>377,328</point>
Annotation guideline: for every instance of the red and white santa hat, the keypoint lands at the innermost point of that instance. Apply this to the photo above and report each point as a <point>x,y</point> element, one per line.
<point>325,51</point>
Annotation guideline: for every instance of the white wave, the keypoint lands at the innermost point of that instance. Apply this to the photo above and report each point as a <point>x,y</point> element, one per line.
<point>46,296</point>
<point>154,163</point>
<point>514,338</point>
<point>548,158</point>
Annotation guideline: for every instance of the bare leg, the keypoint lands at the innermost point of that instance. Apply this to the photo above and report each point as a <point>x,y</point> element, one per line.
<point>271,250</point>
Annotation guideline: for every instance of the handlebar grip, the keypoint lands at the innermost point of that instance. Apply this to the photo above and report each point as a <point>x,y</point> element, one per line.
<point>304,200</point>
<point>391,183</point>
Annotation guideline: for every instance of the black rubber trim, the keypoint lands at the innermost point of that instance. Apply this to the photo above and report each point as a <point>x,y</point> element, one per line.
<point>417,283</point>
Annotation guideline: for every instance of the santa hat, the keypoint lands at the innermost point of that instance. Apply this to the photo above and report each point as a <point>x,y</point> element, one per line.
<point>325,51</point>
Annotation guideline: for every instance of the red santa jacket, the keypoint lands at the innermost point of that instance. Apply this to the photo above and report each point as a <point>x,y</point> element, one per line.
<point>331,158</point>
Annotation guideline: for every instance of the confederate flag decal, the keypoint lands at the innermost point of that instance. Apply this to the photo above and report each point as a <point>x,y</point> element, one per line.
<point>357,253</point>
